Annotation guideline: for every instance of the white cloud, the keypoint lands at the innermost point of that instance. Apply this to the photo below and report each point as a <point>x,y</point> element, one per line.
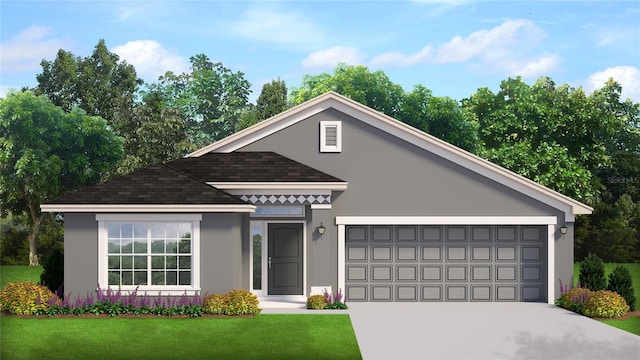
<point>329,58</point>
<point>627,76</point>
<point>399,59</point>
<point>500,40</point>
<point>268,25</point>
<point>151,59</point>
<point>544,64</point>
<point>25,51</point>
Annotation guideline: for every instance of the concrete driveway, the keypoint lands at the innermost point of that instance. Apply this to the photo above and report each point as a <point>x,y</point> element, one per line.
<point>485,331</point>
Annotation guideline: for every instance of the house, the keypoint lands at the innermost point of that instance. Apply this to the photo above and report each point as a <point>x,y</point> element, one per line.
<point>329,194</point>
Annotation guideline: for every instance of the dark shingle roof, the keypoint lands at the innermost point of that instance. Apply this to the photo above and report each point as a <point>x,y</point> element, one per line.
<point>155,185</point>
<point>249,167</point>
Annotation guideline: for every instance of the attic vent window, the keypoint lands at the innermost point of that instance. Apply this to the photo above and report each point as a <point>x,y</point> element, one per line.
<point>330,136</point>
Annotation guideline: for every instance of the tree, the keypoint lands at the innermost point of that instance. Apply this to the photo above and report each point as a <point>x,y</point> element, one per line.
<point>91,83</point>
<point>373,89</point>
<point>211,98</point>
<point>272,99</point>
<point>441,117</point>
<point>45,152</point>
<point>555,135</point>
<point>153,132</point>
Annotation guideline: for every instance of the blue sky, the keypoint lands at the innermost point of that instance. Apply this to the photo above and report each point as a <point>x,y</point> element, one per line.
<point>452,47</point>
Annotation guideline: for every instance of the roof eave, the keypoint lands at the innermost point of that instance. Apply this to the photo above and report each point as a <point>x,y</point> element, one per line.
<point>334,186</point>
<point>146,208</point>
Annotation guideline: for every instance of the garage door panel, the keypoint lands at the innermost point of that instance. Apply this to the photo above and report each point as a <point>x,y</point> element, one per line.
<point>456,233</point>
<point>356,273</point>
<point>381,292</point>
<point>406,292</point>
<point>481,292</point>
<point>481,234</point>
<point>406,273</point>
<point>407,234</point>
<point>357,292</point>
<point>456,293</point>
<point>431,293</point>
<point>407,253</point>
<point>432,253</point>
<point>381,253</point>
<point>456,253</point>
<point>382,273</point>
<point>432,273</point>
<point>506,292</point>
<point>506,234</point>
<point>456,272</point>
<point>381,234</point>
<point>445,263</point>
<point>356,233</point>
<point>481,253</point>
<point>506,253</point>
<point>356,253</point>
<point>431,234</point>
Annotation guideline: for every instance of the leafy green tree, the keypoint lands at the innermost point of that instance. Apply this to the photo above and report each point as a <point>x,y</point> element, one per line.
<point>555,135</point>
<point>45,152</point>
<point>441,117</point>
<point>153,133</point>
<point>373,89</point>
<point>272,99</point>
<point>211,98</point>
<point>91,83</point>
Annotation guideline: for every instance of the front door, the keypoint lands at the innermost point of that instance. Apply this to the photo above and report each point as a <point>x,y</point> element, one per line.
<point>284,260</point>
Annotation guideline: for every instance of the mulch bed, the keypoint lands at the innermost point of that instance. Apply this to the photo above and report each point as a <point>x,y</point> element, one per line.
<point>623,317</point>
<point>124,316</point>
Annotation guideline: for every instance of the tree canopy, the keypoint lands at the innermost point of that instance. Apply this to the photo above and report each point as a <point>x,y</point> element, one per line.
<point>46,152</point>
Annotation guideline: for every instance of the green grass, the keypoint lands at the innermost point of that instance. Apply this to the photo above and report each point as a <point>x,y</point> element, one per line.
<point>13,273</point>
<point>632,324</point>
<point>262,337</point>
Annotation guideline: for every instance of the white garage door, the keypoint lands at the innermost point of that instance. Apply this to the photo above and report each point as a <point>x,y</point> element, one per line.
<point>445,263</point>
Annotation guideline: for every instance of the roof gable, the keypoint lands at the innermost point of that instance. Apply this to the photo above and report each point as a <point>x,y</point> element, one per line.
<point>405,132</point>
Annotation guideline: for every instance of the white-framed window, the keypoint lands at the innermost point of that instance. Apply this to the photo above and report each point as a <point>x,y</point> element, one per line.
<point>151,253</point>
<point>330,136</point>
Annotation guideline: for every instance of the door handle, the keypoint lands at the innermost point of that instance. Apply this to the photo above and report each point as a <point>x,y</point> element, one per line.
<point>269,262</point>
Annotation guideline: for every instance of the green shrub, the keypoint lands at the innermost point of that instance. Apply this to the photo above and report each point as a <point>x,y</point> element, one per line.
<point>592,273</point>
<point>241,302</point>
<point>26,298</point>
<point>215,304</point>
<point>574,299</point>
<point>605,304</point>
<point>316,302</point>
<point>53,272</point>
<point>620,281</point>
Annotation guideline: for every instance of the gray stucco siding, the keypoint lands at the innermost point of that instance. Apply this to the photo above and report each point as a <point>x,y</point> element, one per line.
<point>80,253</point>
<point>389,176</point>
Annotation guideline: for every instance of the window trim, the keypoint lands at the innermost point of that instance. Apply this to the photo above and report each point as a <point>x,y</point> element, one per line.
<point>153,290</point>
<point>324,125</point>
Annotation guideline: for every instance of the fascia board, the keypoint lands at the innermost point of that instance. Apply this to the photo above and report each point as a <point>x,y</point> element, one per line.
<point>334,186</point>
<point>102,208</point>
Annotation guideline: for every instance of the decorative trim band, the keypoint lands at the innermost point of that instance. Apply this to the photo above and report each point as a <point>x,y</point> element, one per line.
<point>286,199</point>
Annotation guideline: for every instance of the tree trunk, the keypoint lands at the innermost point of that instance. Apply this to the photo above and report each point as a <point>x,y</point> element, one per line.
<point>33,246</point>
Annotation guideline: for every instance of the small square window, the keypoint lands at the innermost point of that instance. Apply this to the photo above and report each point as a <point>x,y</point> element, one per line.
<point>330,136</point>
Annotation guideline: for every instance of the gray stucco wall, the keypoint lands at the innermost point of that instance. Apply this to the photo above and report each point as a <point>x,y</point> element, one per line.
<point>80,253</point>
<point>221,249</point>
<point>389,176</point>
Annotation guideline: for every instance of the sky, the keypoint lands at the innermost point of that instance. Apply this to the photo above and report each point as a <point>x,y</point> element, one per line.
<point>452,47</point>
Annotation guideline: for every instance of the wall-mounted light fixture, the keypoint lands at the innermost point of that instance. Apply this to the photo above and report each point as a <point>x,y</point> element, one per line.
<point>563,230</point>
<point>321,229</point>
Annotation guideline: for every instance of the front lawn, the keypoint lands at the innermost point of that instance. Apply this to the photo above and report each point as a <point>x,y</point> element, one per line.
<point>261,337</point>
<point>631,324</point>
